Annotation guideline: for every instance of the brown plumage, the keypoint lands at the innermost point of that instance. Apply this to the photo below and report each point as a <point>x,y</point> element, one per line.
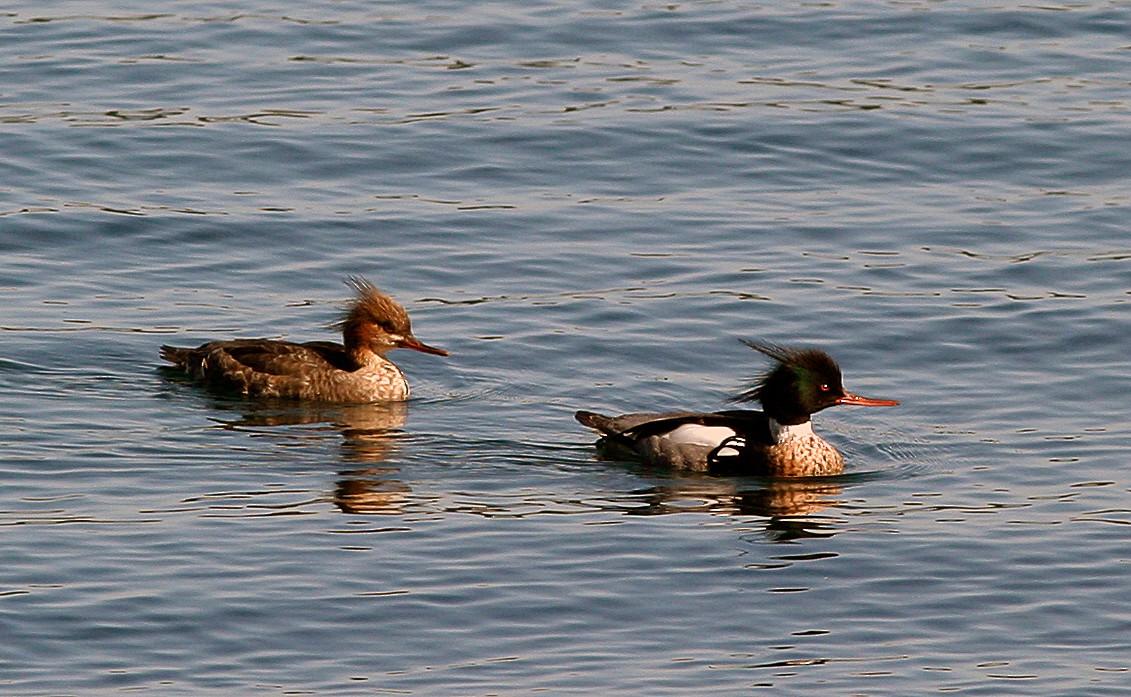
<point>351,372</point>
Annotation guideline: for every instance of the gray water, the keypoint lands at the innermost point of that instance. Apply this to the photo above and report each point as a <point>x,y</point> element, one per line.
<point>587,205</point>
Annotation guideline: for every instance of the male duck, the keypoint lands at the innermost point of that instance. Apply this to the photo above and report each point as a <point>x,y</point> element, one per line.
<point>776,442</point>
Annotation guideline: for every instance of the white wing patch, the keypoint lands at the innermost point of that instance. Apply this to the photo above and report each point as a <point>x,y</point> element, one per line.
<point>731,448</point>
<point>697,434</point>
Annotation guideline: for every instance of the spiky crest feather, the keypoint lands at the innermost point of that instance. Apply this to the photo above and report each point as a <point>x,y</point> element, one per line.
<point>794,365</point>
<point>371,306</point>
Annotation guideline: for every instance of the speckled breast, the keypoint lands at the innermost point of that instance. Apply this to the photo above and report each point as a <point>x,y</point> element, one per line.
<point>809,456</point>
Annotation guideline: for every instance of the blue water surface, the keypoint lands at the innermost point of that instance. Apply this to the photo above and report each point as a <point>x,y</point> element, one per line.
<point>588,205</point>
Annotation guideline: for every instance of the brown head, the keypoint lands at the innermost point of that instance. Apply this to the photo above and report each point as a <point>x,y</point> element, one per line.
<point>375,322</point>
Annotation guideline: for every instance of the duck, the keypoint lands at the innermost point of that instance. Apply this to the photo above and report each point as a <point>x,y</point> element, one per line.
<point>777,441</point>
<point>354,371</point>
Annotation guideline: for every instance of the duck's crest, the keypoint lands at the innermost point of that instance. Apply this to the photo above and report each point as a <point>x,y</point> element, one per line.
<point>370,305</point>
<point>797,360</point>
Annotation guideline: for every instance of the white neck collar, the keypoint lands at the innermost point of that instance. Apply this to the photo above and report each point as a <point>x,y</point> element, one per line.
<point>782,433</point>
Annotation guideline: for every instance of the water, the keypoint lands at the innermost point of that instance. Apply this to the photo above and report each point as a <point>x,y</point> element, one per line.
<point>586,204</point>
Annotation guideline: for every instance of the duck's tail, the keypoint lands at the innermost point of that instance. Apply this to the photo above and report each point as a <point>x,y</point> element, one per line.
<point>175,354</point>
<point>595,421</point>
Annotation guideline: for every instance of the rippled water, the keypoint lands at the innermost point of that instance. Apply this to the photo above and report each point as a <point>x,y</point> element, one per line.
<point>587,205</point>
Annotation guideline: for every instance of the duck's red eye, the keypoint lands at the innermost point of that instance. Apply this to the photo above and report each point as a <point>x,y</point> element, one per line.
<point>823,387</point>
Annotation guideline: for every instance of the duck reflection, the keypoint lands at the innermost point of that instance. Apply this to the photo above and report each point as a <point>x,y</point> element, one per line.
<point>772,499</point>
<point>370,435</point>
<point>791,507</point>
<point>371,491</point>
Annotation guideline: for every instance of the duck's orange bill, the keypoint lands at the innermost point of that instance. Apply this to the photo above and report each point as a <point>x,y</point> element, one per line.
<point>859,401</point>
<point>411,342</point>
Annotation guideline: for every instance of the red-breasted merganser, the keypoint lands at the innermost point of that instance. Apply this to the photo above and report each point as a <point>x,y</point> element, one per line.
<point>319,371</point>
<point>776,442</point>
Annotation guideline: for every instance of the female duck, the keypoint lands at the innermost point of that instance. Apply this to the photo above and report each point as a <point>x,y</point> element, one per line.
<point>355,371</point>
<point>776,442</point>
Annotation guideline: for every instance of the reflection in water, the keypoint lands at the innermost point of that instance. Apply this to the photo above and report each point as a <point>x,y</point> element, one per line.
<point>789,505</point>
<point>373,419</point>
<point>372,490</point>
<point>370,433</point>
<point>788,529</point>
<point>769,498</point>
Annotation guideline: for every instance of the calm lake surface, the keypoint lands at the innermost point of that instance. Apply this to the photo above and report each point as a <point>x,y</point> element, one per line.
<point>587,204</point>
